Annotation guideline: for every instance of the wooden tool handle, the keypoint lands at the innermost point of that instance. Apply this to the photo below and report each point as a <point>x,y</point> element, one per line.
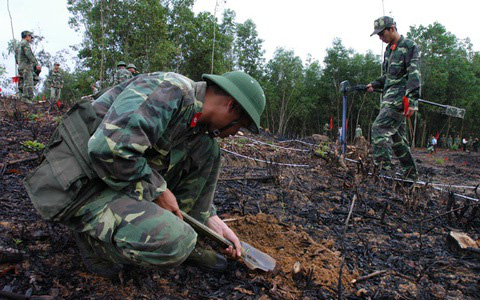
<point>201,228</point>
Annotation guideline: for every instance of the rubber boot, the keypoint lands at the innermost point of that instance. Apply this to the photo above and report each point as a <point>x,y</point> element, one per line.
<point>207,259</point>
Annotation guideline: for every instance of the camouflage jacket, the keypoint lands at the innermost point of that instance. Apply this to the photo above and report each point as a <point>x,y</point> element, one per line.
<point>147,142</point>
<point>24,56</point>
<point>401,75</point>
<point>121,75</point>
<point>55,79</point>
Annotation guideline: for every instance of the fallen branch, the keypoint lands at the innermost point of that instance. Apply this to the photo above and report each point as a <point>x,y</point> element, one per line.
<point>261,178</point>
<point>9,163</point>
<point>374,274</point>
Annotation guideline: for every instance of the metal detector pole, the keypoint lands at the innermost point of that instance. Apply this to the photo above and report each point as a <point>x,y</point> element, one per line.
<point>344,87</point>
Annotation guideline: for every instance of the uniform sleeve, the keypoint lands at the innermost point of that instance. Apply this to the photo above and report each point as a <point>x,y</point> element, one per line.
<point>135,122</point>
<point>49,79</point>
<point>413,77</point>
<point>197,189</point>
<point>378,83</point>
<point>30,56</point>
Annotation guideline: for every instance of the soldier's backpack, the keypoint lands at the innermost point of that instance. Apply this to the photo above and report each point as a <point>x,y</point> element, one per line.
<point>65,179</point>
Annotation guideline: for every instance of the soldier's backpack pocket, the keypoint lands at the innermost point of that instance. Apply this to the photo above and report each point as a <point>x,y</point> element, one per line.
<point>57,182</point>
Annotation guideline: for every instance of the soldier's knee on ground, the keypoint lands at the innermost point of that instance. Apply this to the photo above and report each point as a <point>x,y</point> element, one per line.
<point>157,251</point>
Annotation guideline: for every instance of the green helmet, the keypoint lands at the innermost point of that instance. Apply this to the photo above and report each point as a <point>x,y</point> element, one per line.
<point>121,63</point>
<point>131,66</point>
<point>245,90</point>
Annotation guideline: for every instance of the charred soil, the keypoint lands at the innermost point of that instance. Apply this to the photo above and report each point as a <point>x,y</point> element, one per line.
<point>328,223</point>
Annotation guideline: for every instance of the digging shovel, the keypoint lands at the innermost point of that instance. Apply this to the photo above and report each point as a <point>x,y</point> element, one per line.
<point>253,258</point>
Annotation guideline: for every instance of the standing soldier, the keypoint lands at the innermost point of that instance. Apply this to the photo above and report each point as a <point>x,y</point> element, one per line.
<point>401,89</point>
<point>132,69</point>
<point>121,74</point>
<point>449,142</point>
<point>358,131</point>
<point>443,142</point>
<point>26,65</point>
<point>55,80</point>
<point>456,142</point>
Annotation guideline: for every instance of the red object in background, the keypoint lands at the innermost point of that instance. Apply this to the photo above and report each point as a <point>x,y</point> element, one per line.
<point>331,122</point>
<point>43,97</point>
<point>0,89</point>
<point>405,104</point>
<point>15,79</point>
<point>59,104</point>
<point>437,135</point>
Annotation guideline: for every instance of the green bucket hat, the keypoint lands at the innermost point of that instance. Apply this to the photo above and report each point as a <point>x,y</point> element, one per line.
<point>382,23</point>
<point>131,66</point>
<point>245,90</point>
<point>121,63</point>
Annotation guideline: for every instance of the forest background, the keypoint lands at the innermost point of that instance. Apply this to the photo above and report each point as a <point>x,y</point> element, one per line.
<point>302,96</point>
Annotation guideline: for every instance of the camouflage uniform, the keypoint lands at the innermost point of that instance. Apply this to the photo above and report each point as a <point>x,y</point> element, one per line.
<point>449,142</point>
<point>121,75</point>
<point>443,142</point>
<point>55,81</point>
<point>145,144</point>
<point>358,132</point>
<point>26,62</point>
<point>456,142</point>
<point>401,78</point>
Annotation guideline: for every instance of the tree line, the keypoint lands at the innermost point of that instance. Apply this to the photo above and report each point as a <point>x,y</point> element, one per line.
<point>302,96</point>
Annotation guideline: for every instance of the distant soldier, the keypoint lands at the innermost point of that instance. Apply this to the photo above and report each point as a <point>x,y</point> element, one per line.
<point>26,64</point>
<point>326,129</point>
<point>55,81</point>
<point>358,131</point>
<point>476,144</point>
<point>449,142</point>
<point>464,144</point>
<point>443,141</point>
<point>121,74</point>
<point>456,142</point>
<point>401,89</point>
<point>132,69</point>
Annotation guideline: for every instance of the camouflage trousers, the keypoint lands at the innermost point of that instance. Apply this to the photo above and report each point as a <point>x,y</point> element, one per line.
<point>390,126</point>
<point>54,95</point>
<point>127,231</point>
<point>25,84</point>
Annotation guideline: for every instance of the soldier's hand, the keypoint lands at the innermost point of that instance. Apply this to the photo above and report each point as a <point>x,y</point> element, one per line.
<point>369,88</point>
<point>168,201</point>
<point>217,224</point>
<point>409,112</point>
<point>39,67</point>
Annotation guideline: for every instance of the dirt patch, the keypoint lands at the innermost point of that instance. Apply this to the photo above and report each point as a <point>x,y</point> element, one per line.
<point>318,262</point>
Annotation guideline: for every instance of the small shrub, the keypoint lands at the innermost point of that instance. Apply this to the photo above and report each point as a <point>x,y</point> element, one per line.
<point>33,146</point>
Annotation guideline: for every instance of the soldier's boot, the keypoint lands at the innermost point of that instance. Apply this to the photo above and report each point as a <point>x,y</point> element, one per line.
<point>207,259</point>
<point>95,263</point>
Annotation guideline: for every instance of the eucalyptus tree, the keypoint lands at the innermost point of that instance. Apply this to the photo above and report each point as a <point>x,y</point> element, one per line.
<point>285,74</point>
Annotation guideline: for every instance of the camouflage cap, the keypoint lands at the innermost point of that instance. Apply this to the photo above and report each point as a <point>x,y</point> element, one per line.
<point>131,66</point>
<point>382,23</point>
<point>27,33</point>
<point>121,63</point>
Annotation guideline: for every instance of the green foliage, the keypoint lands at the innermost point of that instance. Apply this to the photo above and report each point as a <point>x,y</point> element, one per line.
<point>33,146</point>
<point>439,161</point>
<point>58,119</point>
<point>166,35</point>
<point>34,117</point>
<point>322,149</point>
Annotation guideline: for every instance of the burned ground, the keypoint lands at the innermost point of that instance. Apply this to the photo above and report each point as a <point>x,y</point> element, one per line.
<point>297,214</point>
